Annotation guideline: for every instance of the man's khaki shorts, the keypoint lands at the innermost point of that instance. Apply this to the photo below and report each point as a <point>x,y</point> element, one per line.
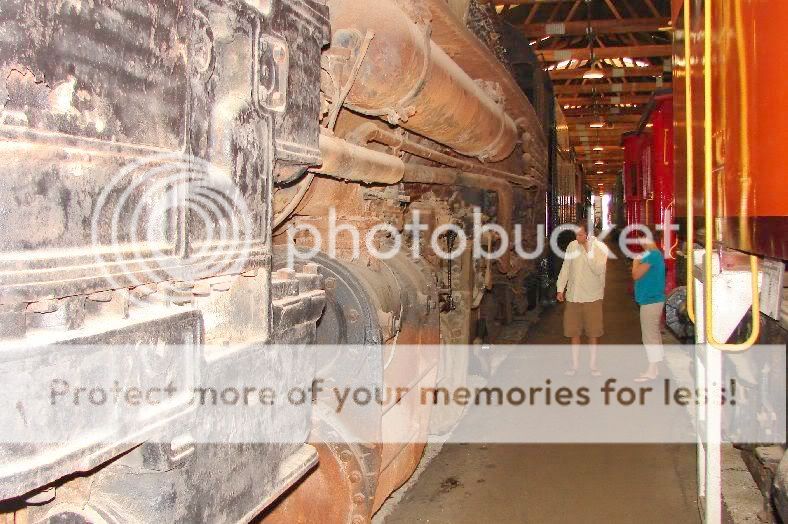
<point>583,318</point>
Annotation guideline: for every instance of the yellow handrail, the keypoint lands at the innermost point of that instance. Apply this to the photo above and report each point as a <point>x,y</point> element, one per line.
<point>709,209</point>
<point>690,166</point>
<point>666,226</point>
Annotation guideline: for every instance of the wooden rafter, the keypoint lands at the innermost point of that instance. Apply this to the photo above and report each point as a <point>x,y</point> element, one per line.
<point>630,32</point>
<point>613,72</point>
<point>631,87</point>
<point>525,2</point>
<point>589,147</point>
<point>573,114</point>
<point>593,157</point>
<point>532,13</point>
<point>583,53</point>
<point>615,119</point>
<point>608,137</point>
<point>570,99</point>
<point>605,140</point>
<point>652,7</point>
<point>573,10</point>
<point>613,9</point>
<point>632,12</point>
<point>600,27</point>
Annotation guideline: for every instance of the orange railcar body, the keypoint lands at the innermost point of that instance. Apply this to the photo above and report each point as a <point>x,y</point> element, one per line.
<point>749,95</point>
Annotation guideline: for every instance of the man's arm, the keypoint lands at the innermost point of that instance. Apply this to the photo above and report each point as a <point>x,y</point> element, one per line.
<point>563,277</point>
<point>597,257</point>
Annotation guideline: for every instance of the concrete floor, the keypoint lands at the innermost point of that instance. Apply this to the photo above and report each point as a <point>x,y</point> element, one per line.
<point>561,483</point>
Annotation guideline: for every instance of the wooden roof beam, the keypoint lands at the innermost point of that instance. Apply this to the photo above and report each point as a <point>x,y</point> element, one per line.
<point>525,2</point>
<point>574,114</point>
<point>588,149</point>
<point>600,27</point>
<point>612,72</point>
<point>629,87</point>
<point>616,119</point>
<point>604,158</point>
<point>583,53</point>
<point>592,133</point>
<point>579,139</point>
<point>587,101</point>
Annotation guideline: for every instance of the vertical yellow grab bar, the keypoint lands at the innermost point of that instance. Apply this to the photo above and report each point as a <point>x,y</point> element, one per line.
<point>709,209</point>
<point>690,166</point>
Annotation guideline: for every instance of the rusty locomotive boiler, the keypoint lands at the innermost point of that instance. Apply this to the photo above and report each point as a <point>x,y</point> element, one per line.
<point>160,159</point>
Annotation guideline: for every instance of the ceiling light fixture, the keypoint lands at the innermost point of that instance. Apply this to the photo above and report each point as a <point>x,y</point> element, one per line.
<point>598,122</point>
<point>595,70</point>
<point>599,163</point>
<point>593,73</point>
<point>599,148</point>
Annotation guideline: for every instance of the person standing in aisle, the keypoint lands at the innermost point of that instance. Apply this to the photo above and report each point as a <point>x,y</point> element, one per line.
<point>648,272</point>
<point>581,283</point>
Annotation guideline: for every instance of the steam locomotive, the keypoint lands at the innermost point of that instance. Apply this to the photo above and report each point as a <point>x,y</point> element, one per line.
<point>157,157</point>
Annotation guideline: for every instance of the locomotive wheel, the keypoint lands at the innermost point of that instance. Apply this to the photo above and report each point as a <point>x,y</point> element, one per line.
<point>341,490</point>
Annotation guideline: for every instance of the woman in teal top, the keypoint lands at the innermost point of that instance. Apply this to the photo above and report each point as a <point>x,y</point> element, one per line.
<point>649,275</point>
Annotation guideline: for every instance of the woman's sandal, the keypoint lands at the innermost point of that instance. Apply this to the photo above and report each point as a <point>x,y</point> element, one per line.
<point>646,378</point>
<point>596,373</point>
<point>570,372</point>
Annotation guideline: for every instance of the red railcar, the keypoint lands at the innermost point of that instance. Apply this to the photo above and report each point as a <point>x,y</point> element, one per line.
<point>648,178</point>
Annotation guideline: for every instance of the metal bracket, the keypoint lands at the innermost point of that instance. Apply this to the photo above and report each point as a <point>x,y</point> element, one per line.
<point>273,65</point>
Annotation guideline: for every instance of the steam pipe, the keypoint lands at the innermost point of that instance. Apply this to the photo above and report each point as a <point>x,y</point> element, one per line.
<point>347,161</point>
<point>408,80</point>
<point>369,132</point>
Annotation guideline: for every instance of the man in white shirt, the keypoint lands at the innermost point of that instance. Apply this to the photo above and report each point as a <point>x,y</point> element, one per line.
<point>581,283</point>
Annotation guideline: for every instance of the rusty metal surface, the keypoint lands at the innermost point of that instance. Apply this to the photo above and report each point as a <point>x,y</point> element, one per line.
<point>370,132</point>
<point>341,159</point>
<point>408,80</point>
<point>479,62</point>
<point>373,309</point>
<point>503,190</point>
